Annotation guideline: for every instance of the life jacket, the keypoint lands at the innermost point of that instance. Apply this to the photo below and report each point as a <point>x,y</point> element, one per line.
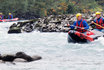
<point>100,23</point>
<point>10,16</point>
<point>81,25</point>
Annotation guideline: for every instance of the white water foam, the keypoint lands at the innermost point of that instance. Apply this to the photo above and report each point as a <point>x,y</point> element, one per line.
<point>56,52</point>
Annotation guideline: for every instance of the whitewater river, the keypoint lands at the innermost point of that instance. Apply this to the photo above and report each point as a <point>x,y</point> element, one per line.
<point>56,52</point>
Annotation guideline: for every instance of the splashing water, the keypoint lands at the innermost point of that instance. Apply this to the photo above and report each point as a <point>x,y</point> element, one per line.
<point>57,53</point>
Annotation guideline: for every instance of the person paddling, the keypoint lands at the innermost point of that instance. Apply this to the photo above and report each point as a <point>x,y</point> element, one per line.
<point>99,22</point>
<point>80,23</point>
<point>1,16</point>
<point>10,16</point>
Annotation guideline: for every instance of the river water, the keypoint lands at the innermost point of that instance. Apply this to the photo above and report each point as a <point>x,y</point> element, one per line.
<point>56,52</point>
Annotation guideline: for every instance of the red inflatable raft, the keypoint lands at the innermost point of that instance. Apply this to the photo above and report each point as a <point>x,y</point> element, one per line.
<point>9,20</point>
<point>75,36</point>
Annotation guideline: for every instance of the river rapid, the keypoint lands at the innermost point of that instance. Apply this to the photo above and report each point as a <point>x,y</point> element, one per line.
<point>56,52</point>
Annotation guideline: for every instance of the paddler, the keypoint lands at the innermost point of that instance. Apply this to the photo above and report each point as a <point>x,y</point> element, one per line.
<point>99,22</point>
<point>10,16</point>
<point>1,16</point>
<point>80,25</point>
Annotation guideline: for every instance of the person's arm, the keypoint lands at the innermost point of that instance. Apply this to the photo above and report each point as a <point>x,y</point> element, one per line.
<point>94,21</point>
<point>2,17</point>
<point>103,20</point>
<point>8,17</point>
<point>12,16</point>
<point>72,27</point>
<point>86,26</point>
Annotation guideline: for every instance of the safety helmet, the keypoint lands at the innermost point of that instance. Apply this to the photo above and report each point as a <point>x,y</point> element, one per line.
<point>10,13</point>
<point>78,14</point>
<point>98,13</point>
<point>1,13</point>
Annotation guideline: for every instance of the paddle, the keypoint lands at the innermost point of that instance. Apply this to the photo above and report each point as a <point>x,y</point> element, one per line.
<point>75,27</point>
<point>98,25</point>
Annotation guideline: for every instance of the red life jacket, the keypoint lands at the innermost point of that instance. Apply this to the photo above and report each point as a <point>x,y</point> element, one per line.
<point>100,23</point>
<point>81,25</point>
<point>10,16</point>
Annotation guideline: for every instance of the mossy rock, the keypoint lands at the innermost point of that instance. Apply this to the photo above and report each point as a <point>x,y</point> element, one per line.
<point>14,30</point>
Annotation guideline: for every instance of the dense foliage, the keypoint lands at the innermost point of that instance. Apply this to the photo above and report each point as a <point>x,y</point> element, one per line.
<point>39,8</point>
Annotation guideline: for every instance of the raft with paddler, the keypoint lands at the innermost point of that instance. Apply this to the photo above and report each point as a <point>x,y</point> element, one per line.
<point>10,18</point>
<point>80,33</point>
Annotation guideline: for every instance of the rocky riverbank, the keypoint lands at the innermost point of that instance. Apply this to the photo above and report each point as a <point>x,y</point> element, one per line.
<point>48,24</point>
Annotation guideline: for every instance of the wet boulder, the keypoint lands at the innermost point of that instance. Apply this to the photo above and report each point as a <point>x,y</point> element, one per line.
<point>27,57</point>
<point>27,26</point>
<point>14,30</point>
<point>8,58</point>
<point>20,57</point>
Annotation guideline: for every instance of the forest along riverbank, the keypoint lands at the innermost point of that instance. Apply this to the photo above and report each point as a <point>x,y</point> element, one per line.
<point>48,24</point>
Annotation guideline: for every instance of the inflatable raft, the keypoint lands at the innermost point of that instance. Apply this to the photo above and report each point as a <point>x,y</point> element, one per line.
<point>9,20</point>
<point>89,36</point>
